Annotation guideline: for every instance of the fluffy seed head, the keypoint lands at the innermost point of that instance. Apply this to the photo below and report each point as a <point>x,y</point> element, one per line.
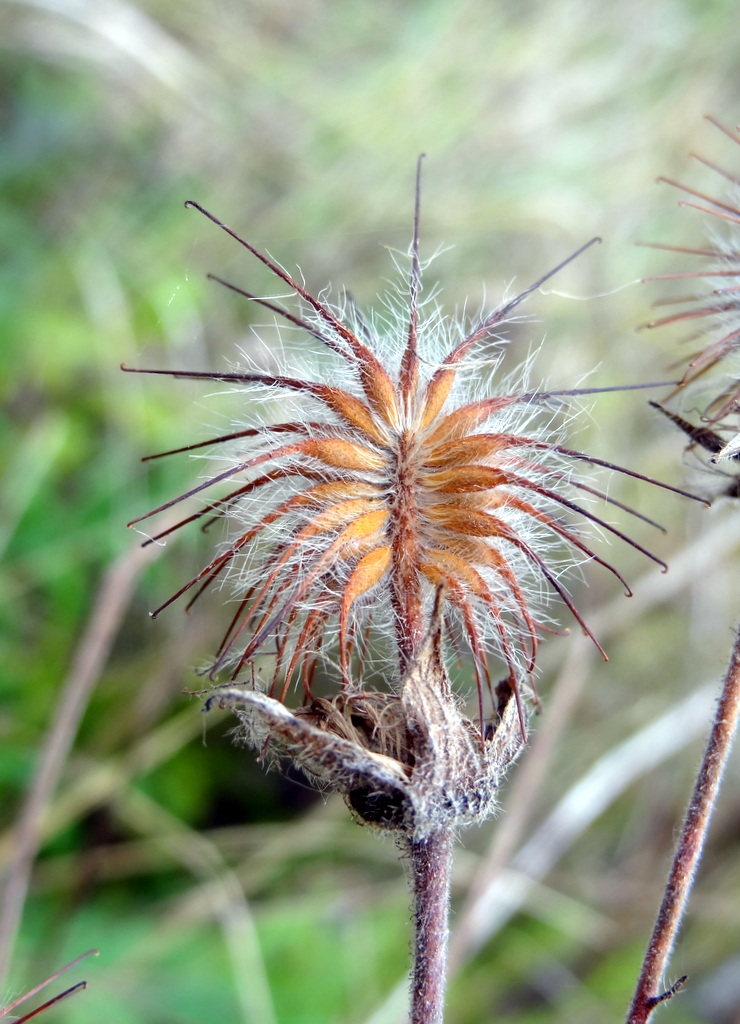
<point>394,477</point>
<point>713,311</point>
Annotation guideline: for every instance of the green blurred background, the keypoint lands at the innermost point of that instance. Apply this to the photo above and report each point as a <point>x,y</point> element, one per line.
<point>214,892</point>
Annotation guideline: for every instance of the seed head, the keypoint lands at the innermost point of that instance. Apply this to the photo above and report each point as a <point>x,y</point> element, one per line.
<point>396,477</point>
<point>714,311</point>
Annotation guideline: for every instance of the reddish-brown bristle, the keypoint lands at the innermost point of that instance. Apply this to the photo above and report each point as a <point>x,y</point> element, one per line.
<point>388,499</point>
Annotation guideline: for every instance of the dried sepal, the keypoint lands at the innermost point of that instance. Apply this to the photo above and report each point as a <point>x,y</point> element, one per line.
<point>410,763</point>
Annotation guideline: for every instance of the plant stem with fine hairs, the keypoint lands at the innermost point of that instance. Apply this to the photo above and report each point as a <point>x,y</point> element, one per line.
<point>648,993</point>
<point>431,862</point>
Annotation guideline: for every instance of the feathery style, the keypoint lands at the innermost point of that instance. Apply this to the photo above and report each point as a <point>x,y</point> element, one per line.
<point>715,313</point>
<point>396,478</point>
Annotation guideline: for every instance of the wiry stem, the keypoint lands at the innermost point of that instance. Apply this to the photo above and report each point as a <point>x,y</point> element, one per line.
<point>649,993</point>
<point>431,863</point>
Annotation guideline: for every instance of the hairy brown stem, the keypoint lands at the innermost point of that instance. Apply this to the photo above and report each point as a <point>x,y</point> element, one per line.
<point>649,992</point>
<point>431,863</point>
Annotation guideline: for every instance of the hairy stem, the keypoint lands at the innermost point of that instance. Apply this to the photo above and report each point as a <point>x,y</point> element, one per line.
<point>649,993</point>
<point>431,863</point>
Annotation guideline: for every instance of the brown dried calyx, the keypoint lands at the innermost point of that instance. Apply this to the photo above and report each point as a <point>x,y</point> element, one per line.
<point>410,763</point>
